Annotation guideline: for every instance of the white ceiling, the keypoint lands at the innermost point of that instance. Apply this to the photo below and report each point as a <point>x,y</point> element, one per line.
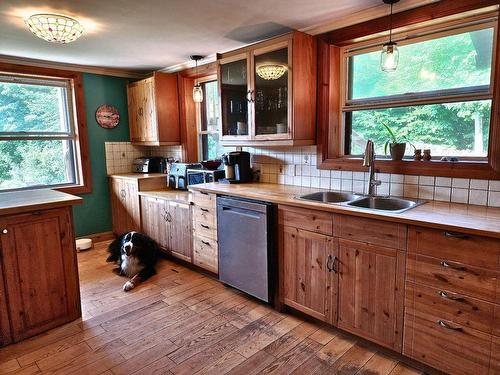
<point>153,34</point>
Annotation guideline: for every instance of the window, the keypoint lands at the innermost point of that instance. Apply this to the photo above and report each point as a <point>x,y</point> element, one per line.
<point>209,136</point>
<point>439,98</point>
<point>38,137</point>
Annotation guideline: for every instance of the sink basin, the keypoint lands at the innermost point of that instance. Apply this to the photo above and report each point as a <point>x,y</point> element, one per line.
<point>384,204</point>
<point>330,197</point>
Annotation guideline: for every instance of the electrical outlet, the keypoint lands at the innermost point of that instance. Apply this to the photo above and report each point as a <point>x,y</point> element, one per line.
<point>290,170</point>
<point>306,159</point>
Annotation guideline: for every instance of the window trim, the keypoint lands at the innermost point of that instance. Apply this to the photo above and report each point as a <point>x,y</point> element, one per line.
<point>200,116</point>
<point>331,94</point>
<point>81,156</point>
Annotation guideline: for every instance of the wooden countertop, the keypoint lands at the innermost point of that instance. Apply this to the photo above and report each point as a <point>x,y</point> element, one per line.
<point>180,196</point>
<point>16,202</point>
<point>138,176</point>
<point>464,218</point>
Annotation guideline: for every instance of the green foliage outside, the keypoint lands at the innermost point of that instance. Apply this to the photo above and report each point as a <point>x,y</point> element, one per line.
<point>31,108</point>
<point>452,62</point>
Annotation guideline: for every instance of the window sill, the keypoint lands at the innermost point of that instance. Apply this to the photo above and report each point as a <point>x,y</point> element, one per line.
<point>463,169</point>
<point>75,189</point>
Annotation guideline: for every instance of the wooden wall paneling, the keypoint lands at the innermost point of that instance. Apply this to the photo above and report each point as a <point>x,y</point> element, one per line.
<point>189,127</point>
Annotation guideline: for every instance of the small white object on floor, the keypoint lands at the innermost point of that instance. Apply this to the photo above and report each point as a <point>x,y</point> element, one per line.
<point>83,244</point>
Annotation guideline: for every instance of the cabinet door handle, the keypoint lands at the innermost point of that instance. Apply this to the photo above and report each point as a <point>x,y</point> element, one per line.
<point>330,263</point>
<point>456,235</point>
<point>249,96</point>
<point>449,296</point>
<point>443,324</point>
<point>204,226</point>
<point>447,264</point>
<point>205,243</point>
<point>169,217</point>
<point>141,111</point>
<point>123,193</point>
<point>5,231</point>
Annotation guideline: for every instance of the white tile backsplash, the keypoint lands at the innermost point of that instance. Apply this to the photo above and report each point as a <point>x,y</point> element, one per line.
<point>300,161</point>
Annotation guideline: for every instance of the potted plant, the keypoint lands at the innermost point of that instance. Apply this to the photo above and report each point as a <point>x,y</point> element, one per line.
<point>397,148</point>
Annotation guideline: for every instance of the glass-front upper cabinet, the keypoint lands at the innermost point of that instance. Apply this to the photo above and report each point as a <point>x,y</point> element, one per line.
<point>271,77</point>
<point>268,92</point>
<point>235,97</point>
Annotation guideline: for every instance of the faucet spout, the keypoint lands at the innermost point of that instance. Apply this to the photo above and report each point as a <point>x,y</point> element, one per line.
<point>369,154</point>
<point>369,161</point>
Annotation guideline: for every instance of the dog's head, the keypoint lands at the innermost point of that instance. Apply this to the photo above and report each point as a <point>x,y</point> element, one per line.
<point>133,242</point>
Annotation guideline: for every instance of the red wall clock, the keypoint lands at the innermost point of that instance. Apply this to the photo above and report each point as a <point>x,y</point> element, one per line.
<point>107,116</point>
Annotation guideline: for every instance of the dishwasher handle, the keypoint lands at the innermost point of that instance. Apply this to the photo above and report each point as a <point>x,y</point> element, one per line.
<point>242,212</point>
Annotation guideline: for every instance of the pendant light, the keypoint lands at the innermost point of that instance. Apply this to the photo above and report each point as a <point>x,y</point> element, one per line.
<point>54,28</point>
<point>389,58</point>
<point>197,90</point>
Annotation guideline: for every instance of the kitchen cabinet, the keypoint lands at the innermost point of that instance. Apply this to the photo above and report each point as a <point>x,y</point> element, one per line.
<point>205,245</point>
<point>39,275</point>
<point>268,92</point>
<point>169,224</point>
<point>153,108</point>
<point>125,204</point>
<point>371,292</point>
<point>309,272</point>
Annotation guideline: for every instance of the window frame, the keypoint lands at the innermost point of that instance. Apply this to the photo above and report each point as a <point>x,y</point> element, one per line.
<point>78,133</point>
<point>332,106</point>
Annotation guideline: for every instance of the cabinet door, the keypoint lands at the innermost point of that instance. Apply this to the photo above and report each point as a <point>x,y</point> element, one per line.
<point>309,272</point>
<point>371,281</point>
<point>235,97</point>
<point>272,96</point>
<point>5,335</point>
<point>40,271</point>
<point>125,206</point>
<point>142,115</point>
<point>154,216</point>
<point>181,239</point>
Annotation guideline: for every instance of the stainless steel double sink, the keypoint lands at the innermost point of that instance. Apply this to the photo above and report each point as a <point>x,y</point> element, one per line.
<point>390,204</point>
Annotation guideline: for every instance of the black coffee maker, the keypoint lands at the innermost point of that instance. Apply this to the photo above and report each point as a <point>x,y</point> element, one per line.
<point>237,167</point>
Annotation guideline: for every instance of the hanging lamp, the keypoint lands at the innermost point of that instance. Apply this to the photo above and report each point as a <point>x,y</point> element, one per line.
<point>389,58</point>
<point>197,90</point>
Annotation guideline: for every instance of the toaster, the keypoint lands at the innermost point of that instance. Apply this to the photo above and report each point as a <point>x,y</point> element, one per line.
<point>151,164</point>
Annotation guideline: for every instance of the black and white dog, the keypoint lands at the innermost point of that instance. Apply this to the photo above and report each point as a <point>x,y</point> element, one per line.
<point>136,255</point>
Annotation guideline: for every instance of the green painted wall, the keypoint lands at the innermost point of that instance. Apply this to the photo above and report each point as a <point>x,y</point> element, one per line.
<point>94,215</point>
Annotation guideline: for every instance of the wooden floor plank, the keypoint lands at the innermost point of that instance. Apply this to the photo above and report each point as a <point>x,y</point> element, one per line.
<point>182,322</point>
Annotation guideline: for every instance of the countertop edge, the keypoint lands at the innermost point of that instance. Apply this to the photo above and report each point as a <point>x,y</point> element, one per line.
<point>137,176</point>
<point>57,200</point>
<point>397,218</point>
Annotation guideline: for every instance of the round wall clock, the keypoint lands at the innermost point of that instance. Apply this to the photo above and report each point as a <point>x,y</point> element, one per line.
<point>107,116</point>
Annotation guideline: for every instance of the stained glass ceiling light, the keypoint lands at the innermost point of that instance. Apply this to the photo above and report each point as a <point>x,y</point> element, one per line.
<point>55,28</point>
<point>271,71</point>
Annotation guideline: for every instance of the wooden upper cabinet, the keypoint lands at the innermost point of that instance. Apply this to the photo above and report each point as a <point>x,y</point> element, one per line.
<point>371,282</point>
<point>269,109</point>
<point>39,271</point>
<point>153,108</point>
<point>309,274</point>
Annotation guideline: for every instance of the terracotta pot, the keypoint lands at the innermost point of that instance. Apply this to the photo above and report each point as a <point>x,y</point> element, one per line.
<point>397,150</point>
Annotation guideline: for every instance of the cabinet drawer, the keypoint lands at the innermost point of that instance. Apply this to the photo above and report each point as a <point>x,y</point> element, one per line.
<point>457,308</point>
<point>204,230</point>
<point>203,199</point>
<point>463,248</point>
<point>446,346</point>
<point>452,276</point>
<point>205,253</point>
<point>205,215</point>
<point>310,220</point>
<point>377,232</point>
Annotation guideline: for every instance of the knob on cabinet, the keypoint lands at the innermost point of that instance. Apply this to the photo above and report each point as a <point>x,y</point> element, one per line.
<point>5,231</point>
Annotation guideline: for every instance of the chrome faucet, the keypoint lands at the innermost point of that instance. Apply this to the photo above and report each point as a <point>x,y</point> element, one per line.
<point>369,161</point>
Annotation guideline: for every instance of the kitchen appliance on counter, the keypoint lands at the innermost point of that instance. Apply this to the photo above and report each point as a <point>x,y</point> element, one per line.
<point>247,254</point>
<point>149,164</point>
<point>178,175</point>
<point>237,167</point>
<point>201,176</point>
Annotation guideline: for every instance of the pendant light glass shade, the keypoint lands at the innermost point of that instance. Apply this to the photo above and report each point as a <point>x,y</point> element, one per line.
<point>271,71</point>
<point>197,93</point>
<point>55,28</point>
<point>389,58</point>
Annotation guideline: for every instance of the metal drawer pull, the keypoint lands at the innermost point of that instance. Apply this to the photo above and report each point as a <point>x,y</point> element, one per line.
<point>205,226</point>
<point>446,264</point>
<point>452,297</point>
<point>205,243</point>
<point>443,324</point>
<point>204,209</point>
<point>204,193</point>
<point>5,231</point>
<point>330,263</point>
<point>456,235</point>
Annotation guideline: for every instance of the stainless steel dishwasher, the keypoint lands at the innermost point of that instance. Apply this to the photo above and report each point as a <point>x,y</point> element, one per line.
<point>247,256</point>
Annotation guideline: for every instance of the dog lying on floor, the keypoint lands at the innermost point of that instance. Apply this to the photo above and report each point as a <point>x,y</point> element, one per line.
<point>136,255</point>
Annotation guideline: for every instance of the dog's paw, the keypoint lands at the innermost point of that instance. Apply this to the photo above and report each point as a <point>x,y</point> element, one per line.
<point>128,286</point>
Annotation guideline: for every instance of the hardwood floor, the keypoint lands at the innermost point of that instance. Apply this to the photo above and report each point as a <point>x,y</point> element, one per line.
<point>181,322</point>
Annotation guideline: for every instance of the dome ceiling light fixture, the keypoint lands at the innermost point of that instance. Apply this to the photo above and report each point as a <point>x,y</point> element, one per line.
<point>197,90</point>
<point>389,58</point>
<point>55,28</point>
<point>271,71</point>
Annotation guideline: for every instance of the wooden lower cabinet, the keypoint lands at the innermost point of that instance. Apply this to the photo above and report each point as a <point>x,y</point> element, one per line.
<point>40,276</point>
<point>169,224</point>
<point>495,356</point>
<point>125,205</point>
<point>371,292</point>
<point>309,276</point>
